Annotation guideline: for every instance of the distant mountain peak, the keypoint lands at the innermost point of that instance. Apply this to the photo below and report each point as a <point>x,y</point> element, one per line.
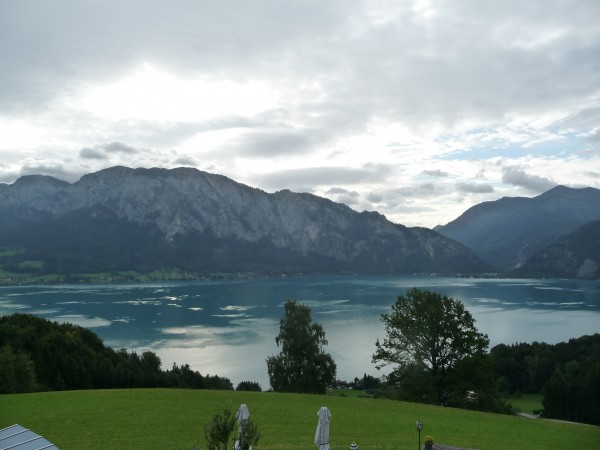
<point>39,180</point>
<point>507,231</point>
<point>562,191</point>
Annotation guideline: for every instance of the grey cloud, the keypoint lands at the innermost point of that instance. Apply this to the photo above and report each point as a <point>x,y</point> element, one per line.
<point>90,153</point>
<point>102,151</point>
<point>344,196</point>
<point>171,134</point>
<point>86,41</point>
<point>446,64</point>
<point>55,170</point>
<point>348,199</point>
<point>8,177</point>
<point>374,197</point>
<point>475,188</point>
<point>595,136</point>
<point>435,173</point>
<point>465,55</point>
<point>395,199</point>
<point>586,118</point>
<point>272,142</point>
<point>119,147</point>
<point>300,179</point>
<point>409,208</point>
<point>337,191</point>
<point>417,191</point>
<point>185,161</point>
<point>518,177</point>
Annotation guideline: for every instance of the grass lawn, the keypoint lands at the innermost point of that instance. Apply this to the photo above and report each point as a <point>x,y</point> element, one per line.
<point>348,393</point>
<point>174,419</point>
<point>527,402</point>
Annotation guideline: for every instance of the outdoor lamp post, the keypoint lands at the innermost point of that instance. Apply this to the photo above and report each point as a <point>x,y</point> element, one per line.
<point>419,428</point>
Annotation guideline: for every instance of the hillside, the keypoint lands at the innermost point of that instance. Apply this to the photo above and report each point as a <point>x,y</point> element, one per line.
<point>576,255</point>
<point>37,354</point>
<point>174,419</point>
<point>506,232</point>
<point>122,219</point>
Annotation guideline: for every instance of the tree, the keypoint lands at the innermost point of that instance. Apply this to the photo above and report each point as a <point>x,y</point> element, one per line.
<point>17,371</point>
<point>556,398</point>
<point>302,365</point>
<point>428,333</point>
<point>572,393</point>
<point>476,374</point>
<point>248,386</point>
<point>217,434</point>
<point>36,354</point>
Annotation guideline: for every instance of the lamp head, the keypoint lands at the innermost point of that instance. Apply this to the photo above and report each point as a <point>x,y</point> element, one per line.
<point>419,424</point>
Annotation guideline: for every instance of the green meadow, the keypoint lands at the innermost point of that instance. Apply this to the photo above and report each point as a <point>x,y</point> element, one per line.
<point>527,403</point>
<point>174,419</point>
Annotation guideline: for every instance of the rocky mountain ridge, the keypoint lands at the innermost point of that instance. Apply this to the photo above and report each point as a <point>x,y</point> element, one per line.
<point>198,221</point>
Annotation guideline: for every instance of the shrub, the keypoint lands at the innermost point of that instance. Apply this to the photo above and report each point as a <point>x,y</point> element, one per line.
<point>249,436</point>
<point>217,434</point>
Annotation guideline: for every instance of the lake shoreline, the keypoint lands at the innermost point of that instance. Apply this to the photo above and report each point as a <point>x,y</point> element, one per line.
<point>11,279</point>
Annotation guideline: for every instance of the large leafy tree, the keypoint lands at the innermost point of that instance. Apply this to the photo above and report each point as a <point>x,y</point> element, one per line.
<point>302,366</point>
<point>427,335</point>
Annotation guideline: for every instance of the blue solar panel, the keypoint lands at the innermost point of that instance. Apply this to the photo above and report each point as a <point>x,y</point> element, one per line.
<point>20,438</point>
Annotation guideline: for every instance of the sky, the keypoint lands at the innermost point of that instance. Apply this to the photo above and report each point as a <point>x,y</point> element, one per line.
<point>416,109</point>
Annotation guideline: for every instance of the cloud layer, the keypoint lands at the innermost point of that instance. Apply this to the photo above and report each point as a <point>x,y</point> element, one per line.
<point>417,109</point>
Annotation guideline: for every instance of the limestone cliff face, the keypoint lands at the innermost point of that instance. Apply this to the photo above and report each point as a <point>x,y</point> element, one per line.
<point>184,202</point>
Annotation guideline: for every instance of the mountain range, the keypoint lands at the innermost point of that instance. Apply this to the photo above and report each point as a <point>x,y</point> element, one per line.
<point>508,231</point>
<point>145,220</point>
<point>197,224</point>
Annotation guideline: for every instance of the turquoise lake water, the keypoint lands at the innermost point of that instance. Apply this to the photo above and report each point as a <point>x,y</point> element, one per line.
<point>228,328</point>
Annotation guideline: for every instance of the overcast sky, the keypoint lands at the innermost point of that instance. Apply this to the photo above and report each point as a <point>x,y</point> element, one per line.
<point>416,109</point>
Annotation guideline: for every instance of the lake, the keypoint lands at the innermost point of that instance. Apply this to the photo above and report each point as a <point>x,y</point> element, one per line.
<point>228,328</point>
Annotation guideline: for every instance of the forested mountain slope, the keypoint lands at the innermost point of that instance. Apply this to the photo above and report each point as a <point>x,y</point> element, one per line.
<point>576,255</point>
<point>506,232</point>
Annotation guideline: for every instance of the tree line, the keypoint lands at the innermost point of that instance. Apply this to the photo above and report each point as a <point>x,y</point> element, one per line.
<point>38,354</point>
<point>567,373</point>
<point>437,355</point>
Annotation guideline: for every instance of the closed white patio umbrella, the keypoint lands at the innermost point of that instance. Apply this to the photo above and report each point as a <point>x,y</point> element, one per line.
<point>322,434</point>
<point>242,416</point>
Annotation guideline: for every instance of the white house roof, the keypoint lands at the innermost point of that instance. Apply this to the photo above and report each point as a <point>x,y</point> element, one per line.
<point>17,437</point>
